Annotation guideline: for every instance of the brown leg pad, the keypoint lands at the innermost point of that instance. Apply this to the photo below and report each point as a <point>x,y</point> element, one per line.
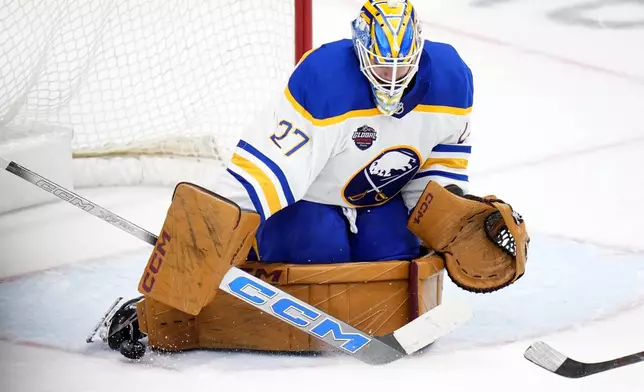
<point>167,328</point>
<point>203,236</point>
<point>377,298</point>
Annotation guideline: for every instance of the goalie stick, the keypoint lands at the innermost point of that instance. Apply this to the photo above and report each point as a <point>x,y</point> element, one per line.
<point>406,340</point>
<point>552,360</point>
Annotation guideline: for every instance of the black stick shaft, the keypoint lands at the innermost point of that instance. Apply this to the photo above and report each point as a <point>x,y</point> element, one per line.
<point>78,201</point>
<point>592,368</point>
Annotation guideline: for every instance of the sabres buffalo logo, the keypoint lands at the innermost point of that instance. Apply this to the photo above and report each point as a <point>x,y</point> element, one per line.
<point>382,178</point>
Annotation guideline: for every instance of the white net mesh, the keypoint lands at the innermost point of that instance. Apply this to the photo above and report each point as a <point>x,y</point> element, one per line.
<point>143,82</point>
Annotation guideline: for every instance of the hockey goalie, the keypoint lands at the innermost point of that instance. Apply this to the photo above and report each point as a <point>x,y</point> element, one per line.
<point>351,194</point>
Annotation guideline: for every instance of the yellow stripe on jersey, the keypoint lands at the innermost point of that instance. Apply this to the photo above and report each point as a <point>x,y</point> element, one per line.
<point>331,120</point>
<point>443,109</point>
<point>268,188</point>
<point>305,55</point>
<point>453,163</point>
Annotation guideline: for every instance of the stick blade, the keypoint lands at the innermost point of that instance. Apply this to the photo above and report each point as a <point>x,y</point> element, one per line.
<point>432,325</point>
<point>550,359</point>
<point>541,354</point>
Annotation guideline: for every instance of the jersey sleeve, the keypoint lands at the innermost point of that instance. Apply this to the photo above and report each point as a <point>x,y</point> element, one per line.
<point>277,159</point>
<point>446,164</point>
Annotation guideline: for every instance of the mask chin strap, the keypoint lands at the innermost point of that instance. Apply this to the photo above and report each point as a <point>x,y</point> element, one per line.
<point>383,107</point>
<point>390,112</point>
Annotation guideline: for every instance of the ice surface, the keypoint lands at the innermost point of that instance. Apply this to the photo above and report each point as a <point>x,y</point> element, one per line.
<point>557,133</point>
<point>589,283</point>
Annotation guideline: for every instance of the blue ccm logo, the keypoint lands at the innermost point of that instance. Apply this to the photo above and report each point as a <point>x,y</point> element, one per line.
<point>296,314</point>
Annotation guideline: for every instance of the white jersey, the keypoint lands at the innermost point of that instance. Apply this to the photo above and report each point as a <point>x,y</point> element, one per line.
<point>324,140</point>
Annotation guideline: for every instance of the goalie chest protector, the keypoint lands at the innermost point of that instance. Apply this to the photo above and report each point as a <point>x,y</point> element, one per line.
<point>375,297</point>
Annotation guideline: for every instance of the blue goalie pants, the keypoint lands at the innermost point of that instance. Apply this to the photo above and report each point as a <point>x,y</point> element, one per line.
<point>312,233</point>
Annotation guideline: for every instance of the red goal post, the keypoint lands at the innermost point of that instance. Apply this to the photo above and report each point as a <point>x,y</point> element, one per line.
<point>303,27</point>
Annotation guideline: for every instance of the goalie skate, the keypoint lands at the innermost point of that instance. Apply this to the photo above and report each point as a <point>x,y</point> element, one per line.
<point>118,325</point>
<point>108,315</point>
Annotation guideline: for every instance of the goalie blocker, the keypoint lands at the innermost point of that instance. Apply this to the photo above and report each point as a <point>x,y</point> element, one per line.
<point>205,234</point>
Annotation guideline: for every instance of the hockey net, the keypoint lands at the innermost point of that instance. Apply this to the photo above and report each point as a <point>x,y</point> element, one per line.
<point>155,91</point>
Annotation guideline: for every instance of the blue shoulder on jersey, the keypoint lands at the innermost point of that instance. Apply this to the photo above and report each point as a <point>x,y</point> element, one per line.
<point>450,79</point>
<point>328,83</point>
<point>328,86</point>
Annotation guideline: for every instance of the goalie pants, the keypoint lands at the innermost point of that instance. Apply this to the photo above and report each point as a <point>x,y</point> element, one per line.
<point>313,233</point>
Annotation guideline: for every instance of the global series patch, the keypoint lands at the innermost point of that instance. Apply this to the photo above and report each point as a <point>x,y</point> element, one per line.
<point>364,137</point>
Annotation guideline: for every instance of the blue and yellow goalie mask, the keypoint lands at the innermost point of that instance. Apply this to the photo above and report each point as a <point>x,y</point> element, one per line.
<point>388,43</point>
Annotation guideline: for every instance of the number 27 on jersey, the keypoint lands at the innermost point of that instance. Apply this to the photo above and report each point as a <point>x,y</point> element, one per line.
<point>291,139</point>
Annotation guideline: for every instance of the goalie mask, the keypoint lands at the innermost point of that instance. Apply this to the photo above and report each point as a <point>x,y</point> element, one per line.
<point>388,43</point>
